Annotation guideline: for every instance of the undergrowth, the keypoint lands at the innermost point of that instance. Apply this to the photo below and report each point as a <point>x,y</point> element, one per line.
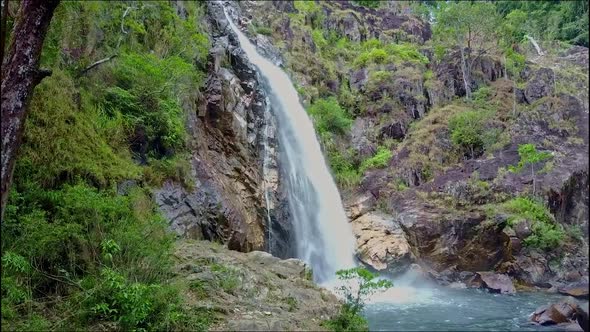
<point>76,254</point>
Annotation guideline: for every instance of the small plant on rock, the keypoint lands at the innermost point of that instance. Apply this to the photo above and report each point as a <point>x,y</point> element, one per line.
<point>529,156</point>
<point>358,284</point>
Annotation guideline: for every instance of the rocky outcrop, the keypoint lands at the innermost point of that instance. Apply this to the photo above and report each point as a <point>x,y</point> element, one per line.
<point>253,291</point>
<point>566,314</point>
<point>541,85</point>
<point>233,153</point>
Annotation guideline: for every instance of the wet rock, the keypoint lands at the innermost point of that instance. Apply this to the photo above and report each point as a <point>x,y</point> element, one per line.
<point>579,290</point>
<point>395,130</point>
<point>566,314</point>
<point>495,283</point>
<point>268,50</point>
<point>541,85</point>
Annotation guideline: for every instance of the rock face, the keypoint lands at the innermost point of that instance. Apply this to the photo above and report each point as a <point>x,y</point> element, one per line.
<point>234,154</point>
<point>254,291</point>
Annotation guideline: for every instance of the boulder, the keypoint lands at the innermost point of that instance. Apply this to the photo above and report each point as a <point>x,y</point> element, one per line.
<point>381,243</point>
<point>567,314</point>
<point>579,290</point>
<point>494,282</point>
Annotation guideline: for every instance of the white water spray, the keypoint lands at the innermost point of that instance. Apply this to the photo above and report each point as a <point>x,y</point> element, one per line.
<point>323,235</point>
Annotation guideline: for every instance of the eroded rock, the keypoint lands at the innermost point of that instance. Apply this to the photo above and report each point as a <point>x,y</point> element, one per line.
<point>382,243</point>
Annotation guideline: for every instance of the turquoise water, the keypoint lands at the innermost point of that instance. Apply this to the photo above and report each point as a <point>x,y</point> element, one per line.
<point>443,309</point>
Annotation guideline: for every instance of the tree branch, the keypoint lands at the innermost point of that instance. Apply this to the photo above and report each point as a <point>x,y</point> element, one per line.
<point>96,64</point>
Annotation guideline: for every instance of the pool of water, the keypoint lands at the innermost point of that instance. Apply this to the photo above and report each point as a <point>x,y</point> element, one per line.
<point>444,309</point>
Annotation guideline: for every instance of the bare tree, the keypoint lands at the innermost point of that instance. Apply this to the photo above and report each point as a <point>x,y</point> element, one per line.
<point>20,75</point>
<point>470,26</point>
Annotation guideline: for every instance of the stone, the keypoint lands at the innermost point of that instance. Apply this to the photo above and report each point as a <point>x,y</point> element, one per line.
<point>566,314</point>
<point>578,290</point>
<point>523,229</point>
<point>496,283</point>
<point>381,243</point>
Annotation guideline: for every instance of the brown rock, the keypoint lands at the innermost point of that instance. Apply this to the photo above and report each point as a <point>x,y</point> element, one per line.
<point>496,283</point>
<point>382,243</point>
<point>579,290</point>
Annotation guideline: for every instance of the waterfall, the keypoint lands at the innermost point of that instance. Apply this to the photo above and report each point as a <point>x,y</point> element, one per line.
<point>265,162</point>
<point>323,236</point>
<point>534,42</point>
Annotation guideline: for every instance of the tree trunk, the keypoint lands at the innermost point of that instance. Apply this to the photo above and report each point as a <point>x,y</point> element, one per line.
<point>533,176</point>
<point>20,75</point>
<point>466,78</point>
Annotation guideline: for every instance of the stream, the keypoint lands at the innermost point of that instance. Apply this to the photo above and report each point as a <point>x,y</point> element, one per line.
<point>445,309</point>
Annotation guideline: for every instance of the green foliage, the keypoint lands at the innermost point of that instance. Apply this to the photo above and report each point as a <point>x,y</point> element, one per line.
<point>467,131</point>
<point>357,284</point>
<point>329,116</point>
<point>379,160</point>
<point>66,231</point>
<point>227,278</point>
<point>264,31</point>
<point>546,20</point>
<point>368,3</point>
<point>345,172</point>
<point>546,233</point>
<point>318,38</point>
<point>292,303</point>
<point>529,156</point>
<point>406,52</point>
<point>64,142</point>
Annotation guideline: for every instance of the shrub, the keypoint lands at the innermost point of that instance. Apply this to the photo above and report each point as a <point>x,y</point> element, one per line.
<point>345,172</point>
<point>406,52</point>
<point>358,284</point>
<point>329,116</point>
<point>379,160</point>
<point>368,3</point>
<point>546,233</point>
<point>264,31</point>
<point>467,131</point>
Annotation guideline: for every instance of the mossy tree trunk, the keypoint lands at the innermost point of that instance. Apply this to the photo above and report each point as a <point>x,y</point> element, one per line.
<point>20,75</point>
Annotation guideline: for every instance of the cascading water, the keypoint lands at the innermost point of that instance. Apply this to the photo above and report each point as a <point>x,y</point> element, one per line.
<point>265,163</point>
<point>323,235</point>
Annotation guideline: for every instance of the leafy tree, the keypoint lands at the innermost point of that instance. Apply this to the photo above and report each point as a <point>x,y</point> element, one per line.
<point>470,26</point>
<point>529,155</point>
<point>358,284</point>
